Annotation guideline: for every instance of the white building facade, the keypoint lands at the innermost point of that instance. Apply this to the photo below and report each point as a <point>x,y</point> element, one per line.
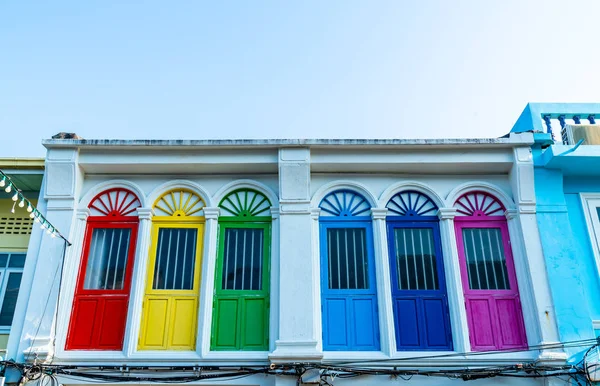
<point>415,255</point>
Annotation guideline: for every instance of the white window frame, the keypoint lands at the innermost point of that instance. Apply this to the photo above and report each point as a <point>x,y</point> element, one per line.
<point>591,201</point>
<point>4,274</point>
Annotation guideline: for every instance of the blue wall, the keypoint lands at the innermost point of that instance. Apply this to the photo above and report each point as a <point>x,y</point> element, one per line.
<point>570,263</point>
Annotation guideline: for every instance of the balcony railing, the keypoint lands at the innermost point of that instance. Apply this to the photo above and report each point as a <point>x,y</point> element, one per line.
<point>556,124</point>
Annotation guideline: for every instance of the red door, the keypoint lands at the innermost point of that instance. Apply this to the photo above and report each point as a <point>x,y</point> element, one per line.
<point>101,296</point>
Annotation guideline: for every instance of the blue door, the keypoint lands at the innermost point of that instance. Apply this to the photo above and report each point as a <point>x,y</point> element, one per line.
<point>348,287</point>
<point>419,296</point>
<point>418,287</point>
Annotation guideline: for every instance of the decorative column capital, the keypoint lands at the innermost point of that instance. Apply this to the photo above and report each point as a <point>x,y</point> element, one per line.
<point>211,213</point>
<point>315,213</point>
<point>379,213</point>
<point>511,213</point>
<point>145,213</point>
<point>275,213</point>
<point>82,214</point>
<point>447,213</point>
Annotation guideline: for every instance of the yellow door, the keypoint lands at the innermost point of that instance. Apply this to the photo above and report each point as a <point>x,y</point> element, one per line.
<point>170,308</point>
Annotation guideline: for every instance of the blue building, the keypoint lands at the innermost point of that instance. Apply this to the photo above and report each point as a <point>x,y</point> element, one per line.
<point>566,156</point>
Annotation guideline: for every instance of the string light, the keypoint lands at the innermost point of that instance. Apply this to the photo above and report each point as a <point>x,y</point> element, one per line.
<point>19,199</point>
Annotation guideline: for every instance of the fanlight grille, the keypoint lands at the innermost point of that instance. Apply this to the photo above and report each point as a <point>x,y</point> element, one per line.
<point>179,203</point>
<point>245,203</point>
<point>479,204</point>
<point>115,202</point>
<point>411,203</point>
<point>342,203</point>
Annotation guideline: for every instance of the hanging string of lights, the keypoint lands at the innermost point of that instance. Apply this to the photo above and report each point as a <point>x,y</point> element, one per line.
<point>21,201</point>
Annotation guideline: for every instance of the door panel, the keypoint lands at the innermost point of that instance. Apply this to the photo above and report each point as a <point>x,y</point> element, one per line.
<point>84,316</point>
<point>510,323</point>
<point>226,312</point>
<point>481,323</point>
<point>253,322</point>
<point>183,322</point>
<point>336,322</point>
<point>364,311</point>
<point>153,335</point>
<point>435,315</point>
<point>407,327</point>
<point>114,318</point>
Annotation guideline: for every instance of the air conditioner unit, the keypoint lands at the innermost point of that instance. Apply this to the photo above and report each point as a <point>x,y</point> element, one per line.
<point>574,133</point>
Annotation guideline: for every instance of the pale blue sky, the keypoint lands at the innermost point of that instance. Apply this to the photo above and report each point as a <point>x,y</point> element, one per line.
<point>283,69</point>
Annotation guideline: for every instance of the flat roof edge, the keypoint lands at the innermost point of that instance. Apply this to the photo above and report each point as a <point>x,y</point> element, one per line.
<point>514,139</point>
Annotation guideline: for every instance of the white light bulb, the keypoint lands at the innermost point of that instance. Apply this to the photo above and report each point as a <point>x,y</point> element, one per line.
<point>53,235</point>
<point>16,196</point>
<point>29,208</point>
<point>2,182</point>
<point>12,210</point>
<point>8,188</point>
<point>37,220</point>
<point>31,215</point>
<point>22,203</point>
<point>48,231</point>
<point>42,225</point>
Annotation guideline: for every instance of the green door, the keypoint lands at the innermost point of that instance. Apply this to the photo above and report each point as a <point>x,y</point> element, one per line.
<point>241,302</point>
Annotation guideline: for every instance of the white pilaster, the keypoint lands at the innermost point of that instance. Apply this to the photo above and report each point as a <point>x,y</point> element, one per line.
<point>275,284</point>
<point>207,289</point>
<point>534,290</point>
<point>70,272</point>
<point>299,332</point>
<point>62,184</point>
<point>384,286</point>
<point>456,296</point>
<point>138,281</point>
<point>530,265</point>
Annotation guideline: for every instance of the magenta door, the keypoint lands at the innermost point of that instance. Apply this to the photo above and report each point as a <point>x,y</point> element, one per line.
<point>494,311</point>
<point>491,292</point>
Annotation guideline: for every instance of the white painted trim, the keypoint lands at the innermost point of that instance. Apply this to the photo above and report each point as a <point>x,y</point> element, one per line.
<point>342,184</point>
<point>102,186</point>
<point>207,286</point>
<point>483,187</point>
<point>174,184</point>
<point>592,222</point>
<point>70,272</point>
<point>420,187</point>
<point>387,337</point>
<point>454,287</point>
<point>246,184</point>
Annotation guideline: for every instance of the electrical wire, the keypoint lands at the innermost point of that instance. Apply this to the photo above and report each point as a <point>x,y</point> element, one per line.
<point>327,372</point>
